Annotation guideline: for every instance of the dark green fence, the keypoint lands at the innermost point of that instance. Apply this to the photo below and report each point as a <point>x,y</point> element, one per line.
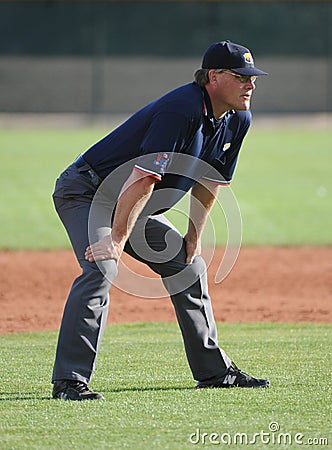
<point>181,28</point>
<point>94,36</point>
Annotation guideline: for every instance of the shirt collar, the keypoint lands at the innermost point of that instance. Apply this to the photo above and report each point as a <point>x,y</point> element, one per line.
<point>208,112</point>
<point>207,106</point>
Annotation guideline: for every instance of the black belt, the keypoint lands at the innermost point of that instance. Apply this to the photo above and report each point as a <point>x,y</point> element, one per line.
<point>83,166</point>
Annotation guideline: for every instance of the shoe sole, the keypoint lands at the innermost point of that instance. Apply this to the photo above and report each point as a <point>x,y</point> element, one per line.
<point>211,386</point>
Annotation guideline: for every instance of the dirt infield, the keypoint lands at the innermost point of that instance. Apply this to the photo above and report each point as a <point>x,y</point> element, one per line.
<point>267,284</point>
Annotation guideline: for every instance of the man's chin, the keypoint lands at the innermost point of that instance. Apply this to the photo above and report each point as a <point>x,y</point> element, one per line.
<point>243,107</point>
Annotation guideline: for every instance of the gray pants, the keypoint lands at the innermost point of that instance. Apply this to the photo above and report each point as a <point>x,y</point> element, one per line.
<point>86,310</point>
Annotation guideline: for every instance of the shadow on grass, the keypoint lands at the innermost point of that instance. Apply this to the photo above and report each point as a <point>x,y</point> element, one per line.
<point>148,389</point>
<point>15,396</point>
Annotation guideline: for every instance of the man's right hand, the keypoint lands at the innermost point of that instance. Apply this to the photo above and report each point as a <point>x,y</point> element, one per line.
<point>103,250</point>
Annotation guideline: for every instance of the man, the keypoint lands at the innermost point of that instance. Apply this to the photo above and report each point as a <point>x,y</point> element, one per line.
<point>205,121</point>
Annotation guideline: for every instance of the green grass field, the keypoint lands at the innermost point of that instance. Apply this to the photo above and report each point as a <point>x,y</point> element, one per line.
<point>282,184</point>
<point>150,400</point>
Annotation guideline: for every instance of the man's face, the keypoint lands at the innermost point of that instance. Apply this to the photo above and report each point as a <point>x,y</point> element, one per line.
<point>231,90</point>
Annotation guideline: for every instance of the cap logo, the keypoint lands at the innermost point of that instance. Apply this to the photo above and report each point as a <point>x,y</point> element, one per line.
<point>248,58</point>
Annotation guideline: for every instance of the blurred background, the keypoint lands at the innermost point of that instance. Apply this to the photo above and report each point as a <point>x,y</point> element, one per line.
<point>70,71</point>
<point>112,57</point>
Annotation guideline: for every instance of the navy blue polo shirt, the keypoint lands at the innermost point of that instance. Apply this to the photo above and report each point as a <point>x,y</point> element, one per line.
<point>180,122</point>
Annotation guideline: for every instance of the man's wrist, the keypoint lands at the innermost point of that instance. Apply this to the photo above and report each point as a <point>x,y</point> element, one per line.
<point>118,239</point>
<point>191,237</point>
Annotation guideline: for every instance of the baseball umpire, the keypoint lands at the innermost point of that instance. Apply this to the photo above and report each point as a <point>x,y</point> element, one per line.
<point>206,121</point>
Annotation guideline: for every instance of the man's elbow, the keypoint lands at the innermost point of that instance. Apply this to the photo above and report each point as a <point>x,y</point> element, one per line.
<point>143,181</point>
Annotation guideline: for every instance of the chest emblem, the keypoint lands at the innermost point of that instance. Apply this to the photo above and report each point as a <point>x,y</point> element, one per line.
<point>226,146</point>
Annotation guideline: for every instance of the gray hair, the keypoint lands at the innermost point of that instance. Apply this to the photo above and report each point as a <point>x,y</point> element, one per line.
<point>201,76</point>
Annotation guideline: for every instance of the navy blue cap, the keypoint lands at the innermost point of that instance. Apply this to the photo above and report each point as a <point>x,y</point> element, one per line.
<point>227,55</point>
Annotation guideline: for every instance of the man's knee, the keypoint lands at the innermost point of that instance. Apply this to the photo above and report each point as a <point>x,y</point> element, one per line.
<point>187,276</point>
<point>198,266</point>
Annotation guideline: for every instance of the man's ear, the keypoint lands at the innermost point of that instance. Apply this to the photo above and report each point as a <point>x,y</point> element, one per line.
<point>212,76</point>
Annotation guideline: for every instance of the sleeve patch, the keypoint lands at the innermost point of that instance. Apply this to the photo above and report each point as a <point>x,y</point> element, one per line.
<point>161,162</point>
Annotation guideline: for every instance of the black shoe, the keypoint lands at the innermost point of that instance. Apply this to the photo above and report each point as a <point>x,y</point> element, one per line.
<point>234,378</point>
<point>74,390</point>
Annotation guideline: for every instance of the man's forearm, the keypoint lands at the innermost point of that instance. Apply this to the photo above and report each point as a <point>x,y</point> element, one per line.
<point>203,196</point>
<point>133,197</point>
